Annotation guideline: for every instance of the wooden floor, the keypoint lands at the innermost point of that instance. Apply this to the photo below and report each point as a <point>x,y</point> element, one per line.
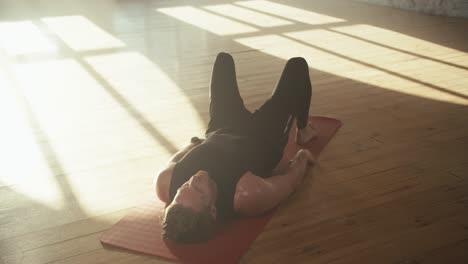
<point>96,95</point>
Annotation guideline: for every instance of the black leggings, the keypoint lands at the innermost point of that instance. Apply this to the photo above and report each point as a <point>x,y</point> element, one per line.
<point>273,120</point>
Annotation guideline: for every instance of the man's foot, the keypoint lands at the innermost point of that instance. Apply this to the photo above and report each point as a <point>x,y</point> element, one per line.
<point>306,134</point>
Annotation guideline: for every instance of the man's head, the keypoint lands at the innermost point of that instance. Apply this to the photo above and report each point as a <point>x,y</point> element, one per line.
<point>191,215</point>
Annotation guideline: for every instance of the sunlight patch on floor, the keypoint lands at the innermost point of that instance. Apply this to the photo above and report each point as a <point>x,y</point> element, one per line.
<point>24,169</point>
<point>152,92</point>
<point>289,12</point>
<point>402,71</point>
<point>207,21</point>
<point>80,34</point>
<point>80,127</point>
<point>248,16</point>
<point>393,39</point>
<point>23,37</point>
<point>321,57</point>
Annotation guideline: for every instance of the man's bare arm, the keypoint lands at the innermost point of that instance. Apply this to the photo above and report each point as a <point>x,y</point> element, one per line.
<point>256,195</point>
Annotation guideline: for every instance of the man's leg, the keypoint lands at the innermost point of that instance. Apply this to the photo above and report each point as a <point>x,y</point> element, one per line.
<point>226,105</point>
<point>290,99</point>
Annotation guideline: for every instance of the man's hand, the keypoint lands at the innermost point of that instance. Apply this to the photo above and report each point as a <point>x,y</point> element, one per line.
<point>304,155</point>
<point>299,165</point>
<point>307,155</point>
<point>196,140</point>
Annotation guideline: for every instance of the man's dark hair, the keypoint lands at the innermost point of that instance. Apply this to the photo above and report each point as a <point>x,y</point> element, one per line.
<point>184,225</point>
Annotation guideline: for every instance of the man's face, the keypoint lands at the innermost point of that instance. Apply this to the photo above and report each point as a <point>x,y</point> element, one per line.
<point>198,193</point>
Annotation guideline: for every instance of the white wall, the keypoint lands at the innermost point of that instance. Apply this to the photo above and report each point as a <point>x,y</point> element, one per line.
<point>435,7</point>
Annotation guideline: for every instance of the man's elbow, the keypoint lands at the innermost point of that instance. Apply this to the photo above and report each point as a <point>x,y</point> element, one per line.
<point>249,205</point>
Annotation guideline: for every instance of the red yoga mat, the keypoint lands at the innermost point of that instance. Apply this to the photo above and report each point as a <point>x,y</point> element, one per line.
<point>140,230</point>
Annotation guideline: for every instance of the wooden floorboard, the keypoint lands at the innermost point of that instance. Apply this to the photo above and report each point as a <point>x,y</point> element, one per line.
<point>94,104</point>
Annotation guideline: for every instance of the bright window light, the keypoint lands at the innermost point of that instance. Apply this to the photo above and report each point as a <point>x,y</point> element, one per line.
<point>207,21</point>
<point>80,34</point>
<point>289,12</point>
<point>19,38</point>
<point>248,16</point>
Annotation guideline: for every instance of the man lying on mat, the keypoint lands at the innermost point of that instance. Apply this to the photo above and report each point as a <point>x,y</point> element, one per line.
<point>214,179</point>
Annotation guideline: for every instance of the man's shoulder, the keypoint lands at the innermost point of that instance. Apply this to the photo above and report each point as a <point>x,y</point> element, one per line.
<point>162,181</point>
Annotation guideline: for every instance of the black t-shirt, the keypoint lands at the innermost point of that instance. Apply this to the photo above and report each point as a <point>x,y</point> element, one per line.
<point>226,155</point>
